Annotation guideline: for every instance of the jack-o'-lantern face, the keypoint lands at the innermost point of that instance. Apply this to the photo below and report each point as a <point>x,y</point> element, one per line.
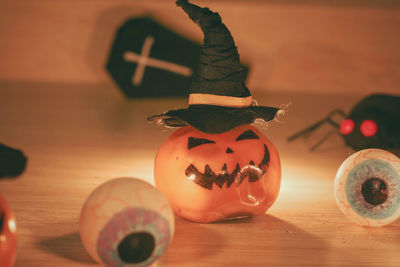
<point>212,177</point>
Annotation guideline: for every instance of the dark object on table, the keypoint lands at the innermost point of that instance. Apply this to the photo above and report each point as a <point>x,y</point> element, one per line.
<point>150,60</point>
<point>12,162</point>
<point>374,122</point>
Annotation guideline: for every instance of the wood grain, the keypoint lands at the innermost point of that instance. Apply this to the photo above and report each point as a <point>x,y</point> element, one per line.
<point>303,46</point>
<point>79,136</point>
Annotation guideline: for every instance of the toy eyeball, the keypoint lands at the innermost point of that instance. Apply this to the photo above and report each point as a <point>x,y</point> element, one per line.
<point>126,222</point>
<point>8,235</point>
<point>214,177</point>
<point>367,187</point>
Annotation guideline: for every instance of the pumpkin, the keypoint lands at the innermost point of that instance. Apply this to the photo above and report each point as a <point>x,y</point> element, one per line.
<point>8,235</point>
<point>215,177</point>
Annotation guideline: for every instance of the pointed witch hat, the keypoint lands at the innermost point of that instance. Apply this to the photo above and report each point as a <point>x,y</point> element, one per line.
<point>218,98</point>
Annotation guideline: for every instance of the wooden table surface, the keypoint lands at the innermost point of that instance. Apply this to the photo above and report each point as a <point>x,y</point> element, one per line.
<point>79,136</point>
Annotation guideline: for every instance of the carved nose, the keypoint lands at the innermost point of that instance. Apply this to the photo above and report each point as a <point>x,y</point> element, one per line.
<point>229,150</point>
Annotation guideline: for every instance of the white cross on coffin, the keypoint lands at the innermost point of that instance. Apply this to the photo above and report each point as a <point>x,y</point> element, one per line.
<point>144,60</point>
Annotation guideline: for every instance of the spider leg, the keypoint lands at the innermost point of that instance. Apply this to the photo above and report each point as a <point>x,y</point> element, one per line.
<point>307,131</point>
<point>340,112</point>
<point>323,139</point>
<point>328,119</point>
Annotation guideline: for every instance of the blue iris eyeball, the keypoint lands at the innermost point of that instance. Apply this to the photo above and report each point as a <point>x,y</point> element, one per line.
<point>367,187</point>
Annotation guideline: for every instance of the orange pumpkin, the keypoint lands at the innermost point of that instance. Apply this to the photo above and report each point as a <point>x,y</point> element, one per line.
<point>214,177</point>
<point>8,237</point>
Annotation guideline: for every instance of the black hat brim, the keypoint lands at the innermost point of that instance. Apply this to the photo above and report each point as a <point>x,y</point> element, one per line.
<point>215,119</point>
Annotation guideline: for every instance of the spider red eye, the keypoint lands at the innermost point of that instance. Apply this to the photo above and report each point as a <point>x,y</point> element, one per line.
<point>368,128</point>
<point>347,126</point>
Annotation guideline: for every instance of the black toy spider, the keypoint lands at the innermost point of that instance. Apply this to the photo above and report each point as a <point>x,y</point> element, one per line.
<point>374,122</point>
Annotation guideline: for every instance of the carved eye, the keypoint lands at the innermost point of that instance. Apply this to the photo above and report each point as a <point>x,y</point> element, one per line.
<point>193,142</point>
<point>249,134</point>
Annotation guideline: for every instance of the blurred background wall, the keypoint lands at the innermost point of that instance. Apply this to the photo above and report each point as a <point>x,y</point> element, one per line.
<point>320,46</point>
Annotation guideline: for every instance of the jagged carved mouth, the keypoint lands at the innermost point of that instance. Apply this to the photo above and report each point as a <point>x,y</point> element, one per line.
<point>238,175</point>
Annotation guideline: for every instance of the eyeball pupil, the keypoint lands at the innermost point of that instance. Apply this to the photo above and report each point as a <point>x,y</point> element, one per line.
<point>374,191</point>
<point>136,247</point>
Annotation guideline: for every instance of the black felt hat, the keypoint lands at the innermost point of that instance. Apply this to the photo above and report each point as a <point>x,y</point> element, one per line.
<point>218,98</point>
